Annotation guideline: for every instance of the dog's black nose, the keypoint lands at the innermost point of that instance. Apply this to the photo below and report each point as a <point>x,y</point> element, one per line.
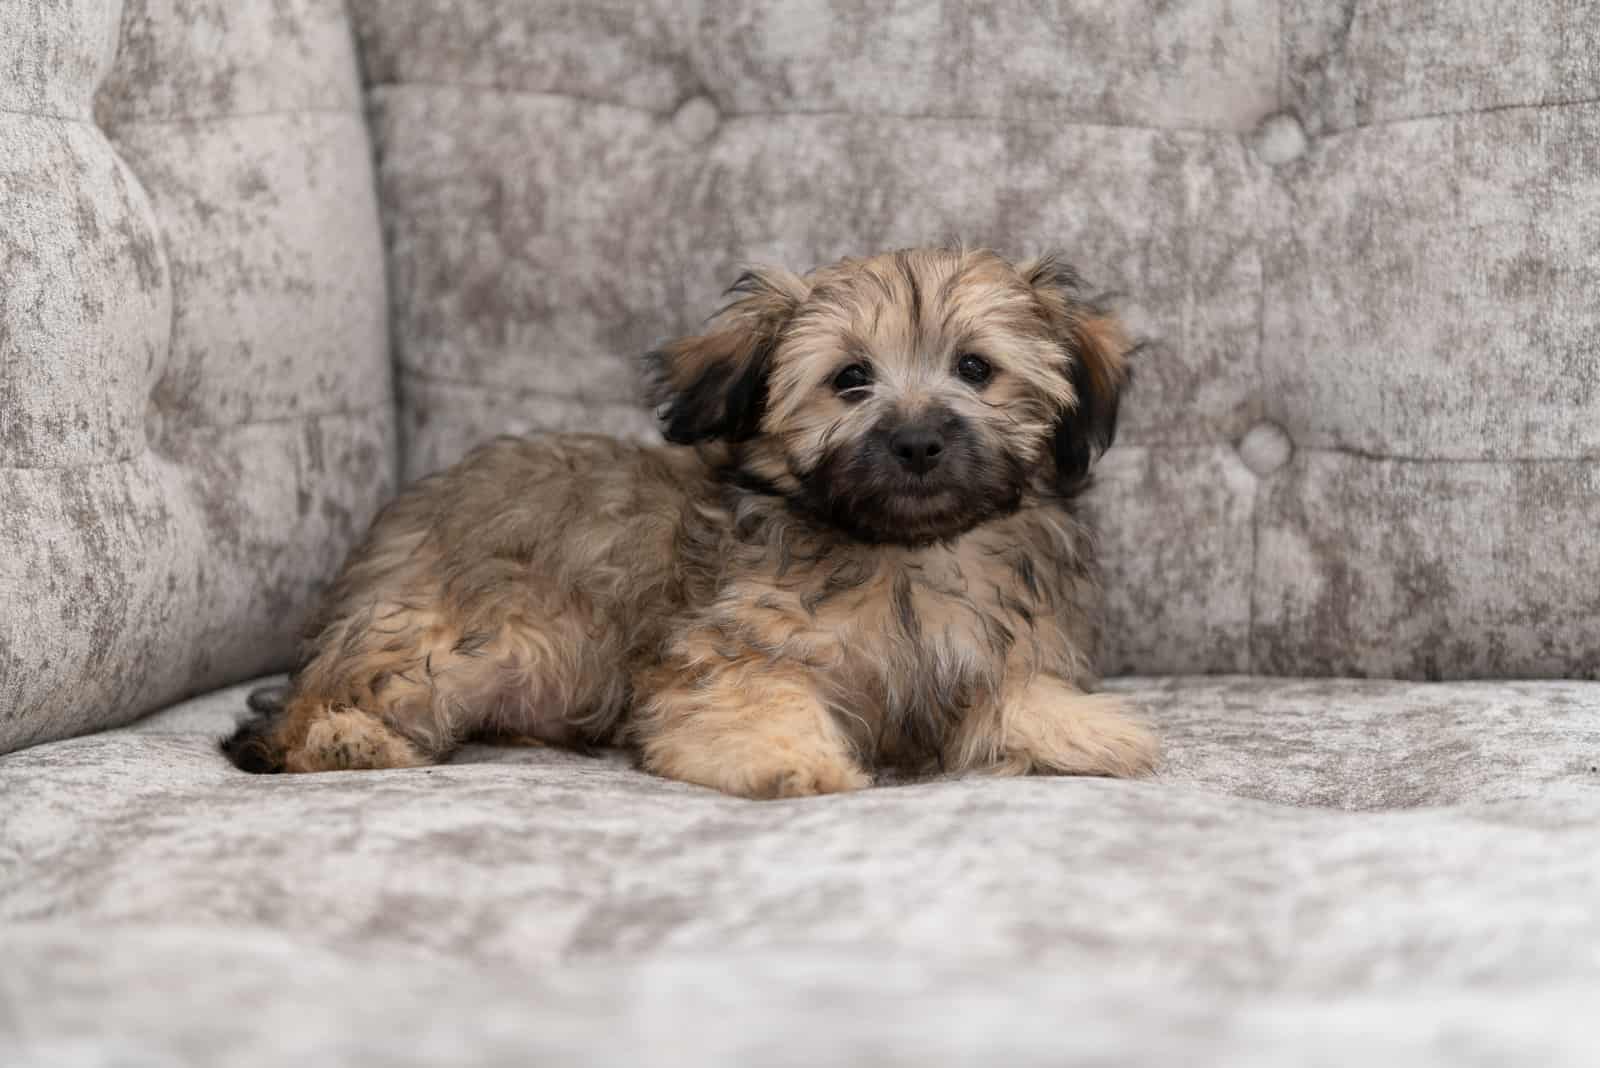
<point>917,447</point>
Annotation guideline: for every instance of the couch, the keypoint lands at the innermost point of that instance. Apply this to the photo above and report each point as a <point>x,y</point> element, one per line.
<point>262,262</point>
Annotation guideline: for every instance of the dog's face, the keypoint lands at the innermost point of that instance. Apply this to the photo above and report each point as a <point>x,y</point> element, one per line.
<point>905,398</point>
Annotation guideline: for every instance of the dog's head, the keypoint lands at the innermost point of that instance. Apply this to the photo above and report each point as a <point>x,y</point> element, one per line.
<point>905,398</point>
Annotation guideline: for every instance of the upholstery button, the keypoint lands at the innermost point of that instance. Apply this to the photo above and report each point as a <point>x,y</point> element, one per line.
<point>696,119</point>
<point>1266,448</point>
<point>1279,139</point>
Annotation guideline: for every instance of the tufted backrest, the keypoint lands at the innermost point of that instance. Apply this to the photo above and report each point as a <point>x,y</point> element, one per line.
<point>1361,237</point>
<point>195,399</point>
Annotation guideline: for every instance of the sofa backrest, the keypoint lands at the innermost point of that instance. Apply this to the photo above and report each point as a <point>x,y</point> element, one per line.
<point>195,400</point>
<point>1362,238</point>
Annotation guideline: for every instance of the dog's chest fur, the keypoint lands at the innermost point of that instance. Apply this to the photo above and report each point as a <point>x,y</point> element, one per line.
<point>904,640</point>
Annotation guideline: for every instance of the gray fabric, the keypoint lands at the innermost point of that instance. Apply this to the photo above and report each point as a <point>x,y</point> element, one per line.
<point>1426,570</point>
<point>1206,64</point>
<point>196,417</point>
<point>1359,64</point>
<point>1328,872</point>
<point>1370,226</point>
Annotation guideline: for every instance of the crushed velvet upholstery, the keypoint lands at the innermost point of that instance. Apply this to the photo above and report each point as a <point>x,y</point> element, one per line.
<point>1363,441</point>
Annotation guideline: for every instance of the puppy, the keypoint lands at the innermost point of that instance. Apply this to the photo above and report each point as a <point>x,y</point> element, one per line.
<point>860,550</point>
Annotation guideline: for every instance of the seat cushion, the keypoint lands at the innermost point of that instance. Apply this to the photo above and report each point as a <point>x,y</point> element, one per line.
<point>1325,870</point>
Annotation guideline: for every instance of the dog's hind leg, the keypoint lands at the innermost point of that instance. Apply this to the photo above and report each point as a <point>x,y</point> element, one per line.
<point>358,704</point>
<point>309,736</point>
<point>303,735</point>
<point>401,686</point>
<point>383,690</point>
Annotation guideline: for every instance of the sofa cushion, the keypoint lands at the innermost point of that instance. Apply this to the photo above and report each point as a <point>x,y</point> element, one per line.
<point>1333,870</point>
<point>195,406</point>
<point>1380,261</point>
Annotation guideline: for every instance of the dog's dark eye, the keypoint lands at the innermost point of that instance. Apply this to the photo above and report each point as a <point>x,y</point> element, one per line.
<point>853,377</point>
<point>974,369</point>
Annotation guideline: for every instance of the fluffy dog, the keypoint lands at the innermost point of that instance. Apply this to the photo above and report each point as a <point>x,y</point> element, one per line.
<point>859,550</point>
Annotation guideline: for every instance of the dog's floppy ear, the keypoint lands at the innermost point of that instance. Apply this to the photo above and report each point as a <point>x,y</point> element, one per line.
<point>1097,349</point>
<point>714,384</point>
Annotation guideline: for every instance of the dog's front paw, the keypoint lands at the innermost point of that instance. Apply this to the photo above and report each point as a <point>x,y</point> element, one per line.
<point>761,737</point>
<point>801,780</point>
<point>1053,729</point>
<point>1103,737</point>
<point>755,767</point>
<point>768,777</point>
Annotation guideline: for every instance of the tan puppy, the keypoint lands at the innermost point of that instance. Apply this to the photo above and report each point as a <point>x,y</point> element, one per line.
<point>860,550</point>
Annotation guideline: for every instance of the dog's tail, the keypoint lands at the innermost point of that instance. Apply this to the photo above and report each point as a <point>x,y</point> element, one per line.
<point>253,747</point>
